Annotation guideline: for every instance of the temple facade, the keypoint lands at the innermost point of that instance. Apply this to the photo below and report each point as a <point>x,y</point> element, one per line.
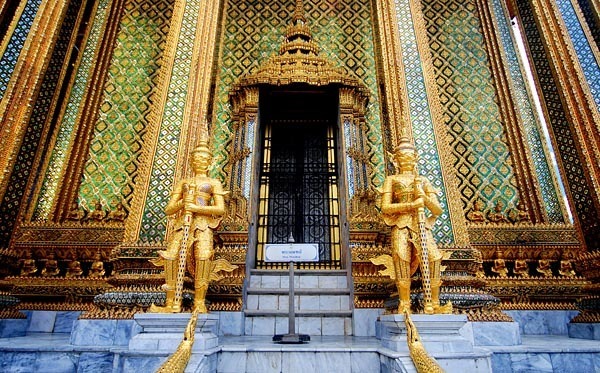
<point>303,104</point>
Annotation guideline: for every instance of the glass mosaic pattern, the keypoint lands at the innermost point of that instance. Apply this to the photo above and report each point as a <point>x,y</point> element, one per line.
<point>112,165</point>
<point>61,148</point>
<point>154,224</point>
<point>422,124</point>
<point>253,32</point>
<point>17,40</point>
<point>586,57</point>
<point>480,154</point>
<point>574,173</point>
<point>529,120</point>
<point>9,206</point>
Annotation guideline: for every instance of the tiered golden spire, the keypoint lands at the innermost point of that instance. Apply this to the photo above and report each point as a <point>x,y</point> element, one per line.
<point>298,61</point>
<point>298,38</point>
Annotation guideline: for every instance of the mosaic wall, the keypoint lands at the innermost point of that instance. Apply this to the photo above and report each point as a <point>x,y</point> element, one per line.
<point>586,57</point>
<point>574,173</point>
<point>112,164</point>
<point>253,31</point>
<point>17,39</point>
<point>546,179</point>
<point>153,225</point>
<point>422,123</point>
<point>9,206</point>
<point>466,88</point>
<point>61,147</point>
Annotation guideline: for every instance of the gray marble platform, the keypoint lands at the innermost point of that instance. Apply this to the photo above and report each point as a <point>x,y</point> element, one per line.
<point>496,333</point>
<point>103,332</point>
<point>164,331</point>
<point>547,353</point>
<point>439,333</point>
<point>447,338</point>
<point>584,330</point>
<point>542,322</point>
<point>321,354</point>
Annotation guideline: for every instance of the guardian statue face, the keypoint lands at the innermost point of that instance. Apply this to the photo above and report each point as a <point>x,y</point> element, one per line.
<point>201,158</point>
<point>405,156</point>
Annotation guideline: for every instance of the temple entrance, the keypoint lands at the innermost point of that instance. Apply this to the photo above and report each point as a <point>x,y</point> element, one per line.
<point>298,182</point>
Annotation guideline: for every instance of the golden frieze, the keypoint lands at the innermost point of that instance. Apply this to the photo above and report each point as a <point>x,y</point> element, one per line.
<point>233,305</point>
<point>532,290</point>
<point>111,313</point>
<point>525,233</point>
<point>56,286</point>
<point>492,314</point>
<point>56,306</point>
<point>588,264</point>
<point>360,302</point>
<point>234,254</point>
<point>372,288</point>
<point>225,289</point>
<point>12,313</point>
<point>546,306</point>
<point>140,249</point>
<point>361,237</point>
<point>68,239</point>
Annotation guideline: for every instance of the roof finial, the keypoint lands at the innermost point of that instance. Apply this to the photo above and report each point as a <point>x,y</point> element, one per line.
<point>299,13</point>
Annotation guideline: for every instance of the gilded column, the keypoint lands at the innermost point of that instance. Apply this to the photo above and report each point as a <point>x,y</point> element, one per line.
<point>393,71</point>
<point>580,108</point>
<point>529,188</point>
<point>86,120</point>
<point>16,104</point>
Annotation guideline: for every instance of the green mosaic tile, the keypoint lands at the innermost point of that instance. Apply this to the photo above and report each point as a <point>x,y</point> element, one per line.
<point>111,169</point>
<point>153,225</point>
<point>422,123</point>
<point>465,84</point>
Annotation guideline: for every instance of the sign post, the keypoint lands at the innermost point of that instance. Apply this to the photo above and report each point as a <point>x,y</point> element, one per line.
<point>291,252</point>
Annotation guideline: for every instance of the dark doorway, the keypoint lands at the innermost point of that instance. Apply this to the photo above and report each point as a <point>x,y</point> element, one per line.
<point>298,191</point>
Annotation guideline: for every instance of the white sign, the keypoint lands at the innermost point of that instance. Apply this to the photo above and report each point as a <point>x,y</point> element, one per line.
<point>291,252</point>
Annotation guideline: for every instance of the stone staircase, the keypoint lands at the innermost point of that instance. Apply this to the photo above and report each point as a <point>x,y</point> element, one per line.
<point>322,303</point>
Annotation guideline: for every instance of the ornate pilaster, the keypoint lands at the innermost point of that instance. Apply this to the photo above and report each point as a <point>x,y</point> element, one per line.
<point>529,189</point>
<point>394,92</point>
<point>16,104</point>
<point>582,136</point>
<point>82,136</point>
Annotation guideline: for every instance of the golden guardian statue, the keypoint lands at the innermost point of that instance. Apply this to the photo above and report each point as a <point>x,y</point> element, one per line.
<point>405,198</point>
<point>196,206</point>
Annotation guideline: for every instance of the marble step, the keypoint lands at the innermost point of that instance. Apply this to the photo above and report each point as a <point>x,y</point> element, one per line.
<point>308,302</point>
<point>299,313</point>
<point>306,279</point>
<point>301,291</point>
<point>311,323</point>
<point>314,356</point>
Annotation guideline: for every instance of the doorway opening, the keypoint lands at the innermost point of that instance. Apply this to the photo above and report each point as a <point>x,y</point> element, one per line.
<point>298,197</point>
